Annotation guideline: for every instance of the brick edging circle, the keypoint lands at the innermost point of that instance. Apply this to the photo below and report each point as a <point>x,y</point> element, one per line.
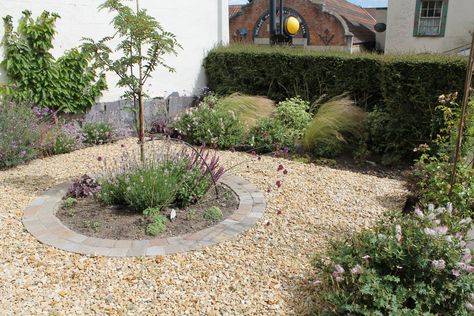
<point>40,220</point>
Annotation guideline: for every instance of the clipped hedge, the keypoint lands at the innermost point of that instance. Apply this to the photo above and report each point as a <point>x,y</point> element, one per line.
<point>403,87</point>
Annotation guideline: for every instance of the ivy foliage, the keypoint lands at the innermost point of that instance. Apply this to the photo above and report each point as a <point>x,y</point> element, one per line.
<point>69,84</point>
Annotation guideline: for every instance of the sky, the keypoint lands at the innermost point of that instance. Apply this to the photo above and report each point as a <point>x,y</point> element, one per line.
<point>362,3</point>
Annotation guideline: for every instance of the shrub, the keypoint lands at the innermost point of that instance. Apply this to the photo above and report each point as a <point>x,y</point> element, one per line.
<point>69,84</point>
<point>158,226</point>
<point>249,109</point>
<point>83,187</point>
<point>210,124</point>
<point>97,133</point>
<point>213,214</point>
<point>178,178</point>
<point>413,265</point>
<point>293,114</point>
<point>404,87</point>
<point>337,126</point>
<point>270,135</point>
<point>18,134</point>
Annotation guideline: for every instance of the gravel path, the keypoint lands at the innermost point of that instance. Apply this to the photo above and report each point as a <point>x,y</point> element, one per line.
<point>265,271</point>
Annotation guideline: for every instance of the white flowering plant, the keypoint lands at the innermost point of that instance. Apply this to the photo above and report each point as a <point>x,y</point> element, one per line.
<point>409,265</point>
<point>211,125</point>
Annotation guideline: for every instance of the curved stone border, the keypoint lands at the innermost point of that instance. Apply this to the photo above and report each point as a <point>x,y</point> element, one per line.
<point>40,220</point>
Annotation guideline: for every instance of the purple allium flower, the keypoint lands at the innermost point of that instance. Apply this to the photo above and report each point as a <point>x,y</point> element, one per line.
<point>455,272</point>
<point>278,184</point>
<point>467,258</point>
<point>441,230</point>
<point>259,158</point>
<point>253,153</point>
<point>285,172</point>
<point>100,158</point>
<point>439,264</point>
<point>232,150</point>
<point>285,150</point>
<point>280,167</point>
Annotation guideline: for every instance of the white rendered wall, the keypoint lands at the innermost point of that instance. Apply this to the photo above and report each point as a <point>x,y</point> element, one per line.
<point>198,26</point>
<point>401,21</point>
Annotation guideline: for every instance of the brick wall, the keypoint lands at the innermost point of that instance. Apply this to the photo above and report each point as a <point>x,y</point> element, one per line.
<point>322,27</point>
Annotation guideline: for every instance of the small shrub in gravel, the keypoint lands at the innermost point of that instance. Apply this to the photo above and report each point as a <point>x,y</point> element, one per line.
<point>413,265</point>
<point>293,114</point>
<point>210,124</point>
<point>18,134</point>
<point>85,186</point>
<point>270,135</point>
<point>98,133</point>
<point>213,214</point>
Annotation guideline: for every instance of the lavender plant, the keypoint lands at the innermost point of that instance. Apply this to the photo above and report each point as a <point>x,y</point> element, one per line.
<point>170,174</point>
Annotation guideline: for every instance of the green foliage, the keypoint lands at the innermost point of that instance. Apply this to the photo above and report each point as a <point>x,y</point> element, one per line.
<point>337,126</point>
<point>248,108</point>
<point>404,88</point>
<point>18,134</point>
<point>179,178</point>
<point>69,202</point>
<point>97,133</point>
<point>143,45</point>
<point>158,226</point>
<point>213,214</point>
<point>69,84</point>
<point>293,114</point>
<point>411,265</point>
<point>269,135</point>
<point>210,124</point>
<point>433,171</point>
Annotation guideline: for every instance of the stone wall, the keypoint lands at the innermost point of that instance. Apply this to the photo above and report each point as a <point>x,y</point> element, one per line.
<point>120,115</point>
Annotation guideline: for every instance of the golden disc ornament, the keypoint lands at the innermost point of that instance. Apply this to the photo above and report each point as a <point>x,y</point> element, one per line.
<point>292,25</point>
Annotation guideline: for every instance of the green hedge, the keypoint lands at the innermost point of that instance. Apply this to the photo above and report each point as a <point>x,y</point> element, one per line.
<point>404,88</point>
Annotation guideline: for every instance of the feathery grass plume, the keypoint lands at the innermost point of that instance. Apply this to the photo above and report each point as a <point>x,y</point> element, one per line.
<point>337,124</point>
<point>248,108</point>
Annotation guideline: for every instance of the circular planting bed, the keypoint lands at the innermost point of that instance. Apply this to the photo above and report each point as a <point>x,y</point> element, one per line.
<point>46,219</point>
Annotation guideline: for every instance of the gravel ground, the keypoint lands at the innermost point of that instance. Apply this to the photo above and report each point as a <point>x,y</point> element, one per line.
<point>265,271</point>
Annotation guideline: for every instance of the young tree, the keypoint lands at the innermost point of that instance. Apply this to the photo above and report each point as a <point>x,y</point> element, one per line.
<point>143,46</point>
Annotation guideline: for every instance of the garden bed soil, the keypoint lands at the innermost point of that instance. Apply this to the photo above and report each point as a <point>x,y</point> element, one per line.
<point>92,218</point>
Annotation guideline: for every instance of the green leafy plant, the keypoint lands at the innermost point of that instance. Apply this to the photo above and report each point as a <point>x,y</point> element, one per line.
<point>270,135</point>
<point>143,44</point>
<point>403,87</point>
<point>158,226</point>
<point>293,114</point>
<point>410,265</point>
<point>69,84</point>
<point>248,108</point>
<point>94,225</point>
<point>69,202</point>
<point>19,134</point>
<point>213,214</point>
<point>178,178</point>
<point>209,124</point>
<point>338,125</point>
<point>98,133</point>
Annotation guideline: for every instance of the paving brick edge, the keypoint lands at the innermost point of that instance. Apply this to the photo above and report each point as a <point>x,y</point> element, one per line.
<point>40,220</point>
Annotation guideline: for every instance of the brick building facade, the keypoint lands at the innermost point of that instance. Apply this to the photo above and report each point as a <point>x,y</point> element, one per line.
<point>325,24</point>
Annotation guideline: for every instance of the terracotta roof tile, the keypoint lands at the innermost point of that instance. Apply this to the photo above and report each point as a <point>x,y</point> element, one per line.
<point>234,9</point>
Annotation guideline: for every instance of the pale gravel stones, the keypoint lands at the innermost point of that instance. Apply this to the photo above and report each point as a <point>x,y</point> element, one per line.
<point>264,271</point>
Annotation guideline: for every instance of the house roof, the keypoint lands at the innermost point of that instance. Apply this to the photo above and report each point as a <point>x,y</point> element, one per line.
<point>372,12</point>
<point>234,9</point>
<point>360,22</point>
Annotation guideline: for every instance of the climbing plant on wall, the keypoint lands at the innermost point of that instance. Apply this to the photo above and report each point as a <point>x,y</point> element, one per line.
<point>68,84</point>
